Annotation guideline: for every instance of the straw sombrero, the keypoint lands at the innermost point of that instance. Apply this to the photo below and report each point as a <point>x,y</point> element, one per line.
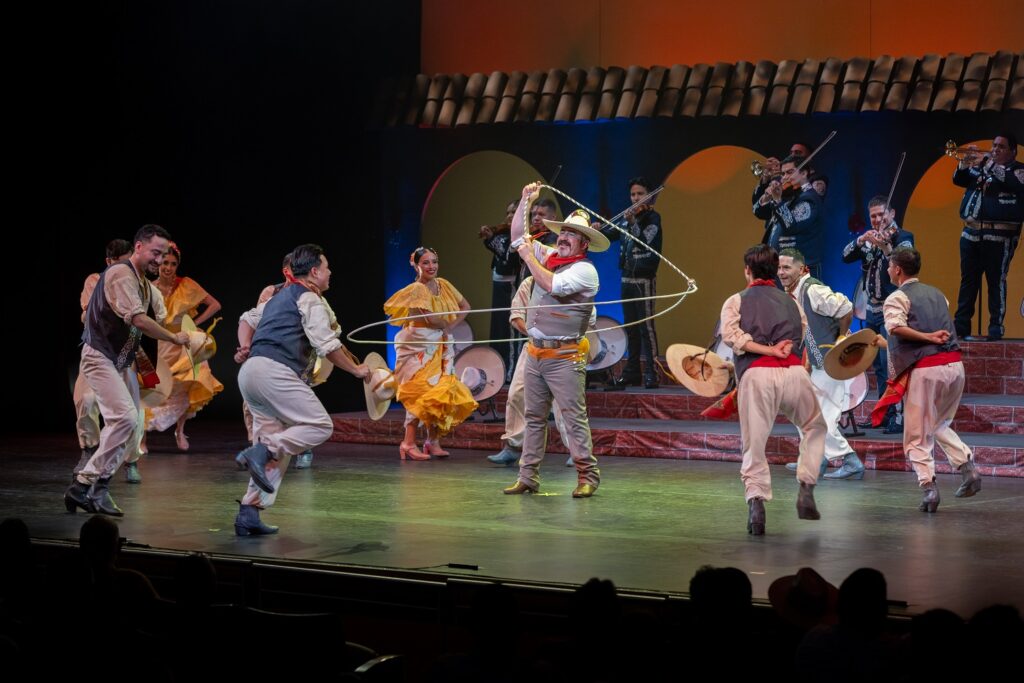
<point>579,220</point>
<point>321,371</point>
<point>703,372</point>
<point>851,355</point>
<point>607,346</point>
<point>482,370</point>
<point>381,387</point>
<point>201,344</point>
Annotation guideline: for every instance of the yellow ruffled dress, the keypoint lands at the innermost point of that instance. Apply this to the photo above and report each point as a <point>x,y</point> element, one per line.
<point>427,385</point>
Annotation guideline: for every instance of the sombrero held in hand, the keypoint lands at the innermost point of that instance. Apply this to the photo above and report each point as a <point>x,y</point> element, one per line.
<point>703,372</point>
<point>851,355</point>
<point>381,388</point>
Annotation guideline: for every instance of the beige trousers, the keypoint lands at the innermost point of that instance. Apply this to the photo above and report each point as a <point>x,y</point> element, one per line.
<point>117,395</point>
<point>287,418</point>
<point>933,395</point>
<point>515,408</point>
<point>763,394</point>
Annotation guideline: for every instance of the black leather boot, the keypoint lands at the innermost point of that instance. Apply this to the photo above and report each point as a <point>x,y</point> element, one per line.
<point>77,496</point>
<point>972,480</point>
<point>805,505</point>
<point>102,503</point>
<point>248,523</point>
<point>930,502</point>
<point>756,517</point>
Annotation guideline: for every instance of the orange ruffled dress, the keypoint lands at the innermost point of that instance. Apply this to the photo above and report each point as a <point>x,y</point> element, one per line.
<point>427,385</point>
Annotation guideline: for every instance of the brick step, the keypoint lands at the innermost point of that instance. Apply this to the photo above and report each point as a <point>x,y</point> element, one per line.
<point>996,454</point>
<point>982,413</point>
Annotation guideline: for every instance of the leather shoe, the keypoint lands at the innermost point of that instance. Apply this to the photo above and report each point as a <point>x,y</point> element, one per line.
<point>517,488</point>
<point>615,385</point>
<point>131,473</point>
<point>791,466</point>
<point>650,383</point>
<point>971,480</point>
<point>584,491</point>
<point>256,458</point>
<point>303,461</point>
<point>102,502</point>
<point>248,523</point>
<point>930,501</point>
<point>506,456</point>
<point>77,496</point>
<point>852,468</point>
<point>805,505</point>
<point>756,517</point>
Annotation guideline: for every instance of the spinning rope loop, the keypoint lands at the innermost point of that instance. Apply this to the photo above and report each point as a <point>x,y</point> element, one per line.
<point>691,287</point>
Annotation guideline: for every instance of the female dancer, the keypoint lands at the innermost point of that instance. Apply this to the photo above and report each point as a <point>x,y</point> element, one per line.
<point>424,368</point>
<point>182,295</point>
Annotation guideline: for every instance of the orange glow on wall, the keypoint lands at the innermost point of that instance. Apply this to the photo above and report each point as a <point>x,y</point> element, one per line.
<point>488,35</point>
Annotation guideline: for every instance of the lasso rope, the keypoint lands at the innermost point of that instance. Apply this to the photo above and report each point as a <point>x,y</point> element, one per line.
<point>691,287</point>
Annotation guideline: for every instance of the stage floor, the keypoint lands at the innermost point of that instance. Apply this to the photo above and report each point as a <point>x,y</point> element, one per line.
<point>652,523</point>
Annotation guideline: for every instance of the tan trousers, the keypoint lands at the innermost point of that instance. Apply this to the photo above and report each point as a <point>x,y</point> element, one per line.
<point>117,395</point>
<point>564,382</point>
<point>287,418</point>
<point>763,394</point>
<point>831,395</point>
<point>933,395</point>
<point>515,408</point>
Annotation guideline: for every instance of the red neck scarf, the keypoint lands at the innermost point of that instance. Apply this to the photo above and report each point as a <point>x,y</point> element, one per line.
<point>291,280</point>
<point>555,261</point>
<point>761,283</point>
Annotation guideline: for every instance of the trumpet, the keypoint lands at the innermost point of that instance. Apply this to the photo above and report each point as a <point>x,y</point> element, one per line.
<point>959,153</point>
<point>758,169</point>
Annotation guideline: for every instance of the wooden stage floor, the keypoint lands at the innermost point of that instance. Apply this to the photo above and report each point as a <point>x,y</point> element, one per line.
<point>652,523</point>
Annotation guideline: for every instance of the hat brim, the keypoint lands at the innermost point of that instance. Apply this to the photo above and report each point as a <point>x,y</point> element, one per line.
<point>615,341</point>
<point>487,359</point>
<point>598,242</point>
<point>374,406</point>
<point>852,355</point>
<point>716,371</point>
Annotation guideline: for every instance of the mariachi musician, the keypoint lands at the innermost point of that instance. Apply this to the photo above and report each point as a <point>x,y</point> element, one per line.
<point>639,268</point>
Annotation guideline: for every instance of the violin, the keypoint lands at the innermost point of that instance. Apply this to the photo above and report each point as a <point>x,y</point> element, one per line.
<point>791,190</point>
<point>639,210</point>
<point>488,231</point>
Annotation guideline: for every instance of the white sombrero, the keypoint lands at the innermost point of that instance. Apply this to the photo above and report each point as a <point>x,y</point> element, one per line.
<point>607,346</point>
<point>579,220</point>
<point>851,355</point>
<point>482,370</point>
<point>321,371</point>
<point>381,388</point>
<point>703,372</point>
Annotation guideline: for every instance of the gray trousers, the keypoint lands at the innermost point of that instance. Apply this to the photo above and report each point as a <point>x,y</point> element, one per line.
<point>564,381</point>
<point>117,394</point>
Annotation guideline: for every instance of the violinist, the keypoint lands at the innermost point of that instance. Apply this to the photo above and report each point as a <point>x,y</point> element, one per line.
<point>504,269</point>
<point>639,270</point>
<point>992,210</point>
<point>772,170</point>
<point>796,213</point>
<point>872,249</point>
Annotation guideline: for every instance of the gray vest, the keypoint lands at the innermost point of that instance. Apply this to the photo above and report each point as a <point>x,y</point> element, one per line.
<point>929,312</point>
<point>280,335</point>
<point>105,330</point>
<point>569,322</point>
<point>821,329</point>
<point>769,316</point>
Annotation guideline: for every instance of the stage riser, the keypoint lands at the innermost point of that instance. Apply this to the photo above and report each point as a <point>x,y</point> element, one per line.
<point>679,445</point>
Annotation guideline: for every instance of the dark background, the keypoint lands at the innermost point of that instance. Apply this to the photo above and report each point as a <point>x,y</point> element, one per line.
<point>238,126</point>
